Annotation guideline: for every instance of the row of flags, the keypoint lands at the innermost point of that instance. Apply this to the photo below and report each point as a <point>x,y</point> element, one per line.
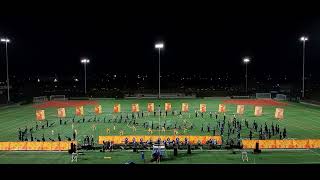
<point>79,111</point>
<point>167,107</point>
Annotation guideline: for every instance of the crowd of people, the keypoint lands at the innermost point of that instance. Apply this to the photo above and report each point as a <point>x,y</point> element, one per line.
<point>231,130</point>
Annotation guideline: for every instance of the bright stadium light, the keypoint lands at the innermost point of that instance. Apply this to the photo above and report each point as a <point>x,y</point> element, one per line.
<point>159,46</point>
<point>85,62</point>
<point>246,60</point>
<point>303,39</point>
<point>6,41</point>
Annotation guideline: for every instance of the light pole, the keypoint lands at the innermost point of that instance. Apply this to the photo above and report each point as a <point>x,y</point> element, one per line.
<point>246,61</point>
<point>6,41</point>
<point>85,62</point>
<point>303,39</point>
<point>159,46</point>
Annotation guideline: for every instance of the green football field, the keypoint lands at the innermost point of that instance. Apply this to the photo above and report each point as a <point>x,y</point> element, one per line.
<point>301,122</point>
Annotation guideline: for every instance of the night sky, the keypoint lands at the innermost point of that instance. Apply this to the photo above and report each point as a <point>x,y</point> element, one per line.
<point>49,44</point>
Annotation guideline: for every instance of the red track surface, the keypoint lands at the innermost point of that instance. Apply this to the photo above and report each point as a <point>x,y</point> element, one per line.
<point>255,102</point>
<point>59,104</point>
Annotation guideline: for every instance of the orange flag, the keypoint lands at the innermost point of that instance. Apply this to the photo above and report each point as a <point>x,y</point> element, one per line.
<point>203,107</point>
<point>79,111</point>
<point>222,108</point>
<point>185,107</point>
<point>279,113</point>
<point>167,106</point>
<point>117,108</point>
<point>240,109</point>
<point>150,107</point>
<point>40,116</point>
<point>258,111</point>
<point>98,109</point>
<point>61,112</point>
<point>135,107</point>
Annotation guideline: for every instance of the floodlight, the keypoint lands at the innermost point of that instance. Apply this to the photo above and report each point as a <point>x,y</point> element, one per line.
<point>5,40</point>
<point>246,60</point>
<point>85,61</point>
<point>159,45</point>
<point>304,38</point>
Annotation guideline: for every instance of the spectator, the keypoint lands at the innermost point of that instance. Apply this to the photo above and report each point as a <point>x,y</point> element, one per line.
<point>142,157</point>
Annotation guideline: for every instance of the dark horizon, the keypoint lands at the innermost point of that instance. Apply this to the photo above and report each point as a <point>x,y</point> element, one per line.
<point>204,44</point>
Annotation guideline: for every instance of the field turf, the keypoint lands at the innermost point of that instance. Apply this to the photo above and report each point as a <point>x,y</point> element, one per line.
<point>196,157</point>
<point>301,122</point>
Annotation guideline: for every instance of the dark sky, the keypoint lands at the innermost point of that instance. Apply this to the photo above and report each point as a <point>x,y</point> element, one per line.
<point>49,44</point>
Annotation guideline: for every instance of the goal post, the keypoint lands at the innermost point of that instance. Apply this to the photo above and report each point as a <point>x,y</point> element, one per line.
<point>40,99</point>
<point>281,97</point>
<point>58,97</point>
<point>263,95</point>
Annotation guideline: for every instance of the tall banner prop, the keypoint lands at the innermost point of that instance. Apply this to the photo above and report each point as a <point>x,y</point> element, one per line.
<point>116,108</point>
<point>203,108</point>
<point>185,107</point>
<point>98,109</point>
<point>167,106</point>
<point>279,113</point>
<point>79,111</point>
<point>222,108</point>
<point>240,109</point>
<point>40,116</point>
<point>61,112</point>
<point>258,111</point>
<point>150,107</point>
<point>135,107</point>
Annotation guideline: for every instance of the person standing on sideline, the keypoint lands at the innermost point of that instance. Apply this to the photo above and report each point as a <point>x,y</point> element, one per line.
<point>74,134</point>
<point>142,157</point>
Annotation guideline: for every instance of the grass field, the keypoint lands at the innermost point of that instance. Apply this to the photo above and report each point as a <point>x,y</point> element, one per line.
<point>196,157</point>
<point>301,121</point>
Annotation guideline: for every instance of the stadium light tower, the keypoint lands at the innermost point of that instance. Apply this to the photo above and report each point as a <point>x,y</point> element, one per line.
<point>159,46</point>
<point>6,41</point>
<point>246,61</point>
<point>303,39</point>
<point>85,62</point>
